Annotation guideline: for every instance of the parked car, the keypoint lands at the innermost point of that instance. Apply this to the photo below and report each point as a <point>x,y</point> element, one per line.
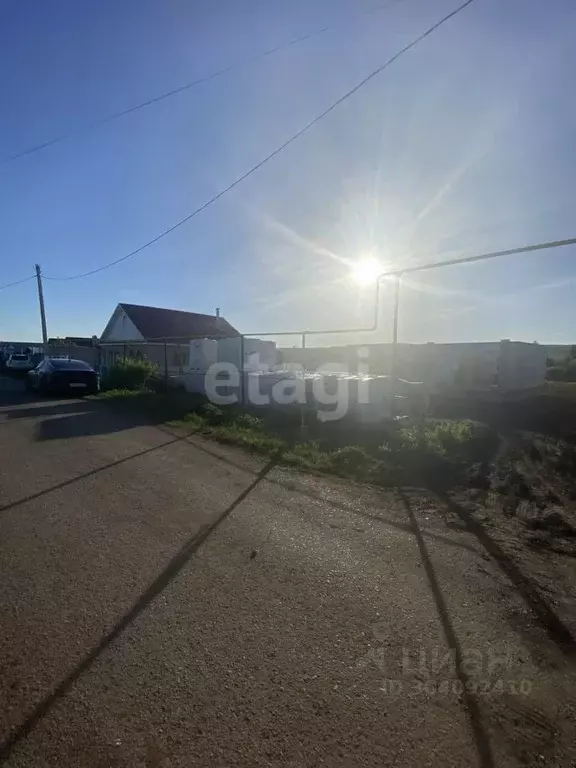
<point>37,358</point>
<point>63,376</point>
<point>19,363</point>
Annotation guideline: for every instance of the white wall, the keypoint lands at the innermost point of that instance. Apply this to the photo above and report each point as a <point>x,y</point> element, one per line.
<point>123,329</point>
<point>203,354</point>
<point>467,366</point>
<point>258,354</point>
<point>521,366</point>
<point>366,399</point>
<point>507,365</point>
<point>229,351</point>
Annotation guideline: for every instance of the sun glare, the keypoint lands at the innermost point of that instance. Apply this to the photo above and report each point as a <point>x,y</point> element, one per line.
<point>366,270</point>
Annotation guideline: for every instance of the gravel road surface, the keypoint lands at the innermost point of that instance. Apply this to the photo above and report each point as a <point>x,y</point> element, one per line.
<point>170,602</point>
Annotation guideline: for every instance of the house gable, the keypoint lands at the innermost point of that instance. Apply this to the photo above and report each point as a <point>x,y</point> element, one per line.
<point>134,322</point>
<point>121,328</point>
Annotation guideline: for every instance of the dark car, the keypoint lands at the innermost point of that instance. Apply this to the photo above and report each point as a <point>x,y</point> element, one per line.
<point>36,358</point>
<point>63,376</point>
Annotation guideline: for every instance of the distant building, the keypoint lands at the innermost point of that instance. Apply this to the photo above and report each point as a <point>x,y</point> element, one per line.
<point>132,322</point>
<point>20,347</point>
<point>78,341</point>
<point>160,335</point>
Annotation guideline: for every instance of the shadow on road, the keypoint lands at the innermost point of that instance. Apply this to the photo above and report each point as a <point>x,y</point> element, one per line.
<point>293,487</point>
<point>172,569</point>
<point>75,479</point>
<point>526,588</point>
<point>485,756</point>
<point>78,417</point>
<point>13,391</point>
<point>23,404</point>
<point>87,417</point>
<point>528,591</point>
<point>58,408</point>
<point>80,422</point>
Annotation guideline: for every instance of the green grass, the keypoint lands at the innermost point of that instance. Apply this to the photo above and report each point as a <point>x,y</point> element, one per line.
<point>131,373</point>
<point>434,453</point>
<point>112,394</point>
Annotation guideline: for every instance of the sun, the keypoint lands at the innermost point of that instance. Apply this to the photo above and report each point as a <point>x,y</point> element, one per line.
<point>366,270</point>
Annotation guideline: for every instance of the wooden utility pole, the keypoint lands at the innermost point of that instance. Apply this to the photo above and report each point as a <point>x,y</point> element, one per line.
<point>42,310</point>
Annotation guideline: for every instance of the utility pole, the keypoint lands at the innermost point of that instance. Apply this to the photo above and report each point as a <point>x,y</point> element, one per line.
<point>42,310</point>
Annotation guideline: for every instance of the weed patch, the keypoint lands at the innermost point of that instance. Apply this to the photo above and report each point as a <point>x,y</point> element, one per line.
<point>434,453</point>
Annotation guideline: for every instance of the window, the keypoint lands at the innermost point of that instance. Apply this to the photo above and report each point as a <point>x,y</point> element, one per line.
<point>63,365</point>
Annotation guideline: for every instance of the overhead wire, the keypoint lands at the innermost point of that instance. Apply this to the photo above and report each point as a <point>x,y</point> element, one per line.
<point>17,282</point>
<point>276,152</point>
<point>187,86</point>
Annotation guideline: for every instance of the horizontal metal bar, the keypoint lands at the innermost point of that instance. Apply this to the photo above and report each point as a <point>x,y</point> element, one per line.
<point>480,257</point>
<point>373,327</point>
<point>391,273</point>
<point>423,267</point>
<point>308,333</point>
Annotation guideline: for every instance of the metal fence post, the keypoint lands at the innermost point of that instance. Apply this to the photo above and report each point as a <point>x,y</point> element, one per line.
<point>394,361</point>
<point>394,364</point>
<point>242,393</point>
<point>166,364</point>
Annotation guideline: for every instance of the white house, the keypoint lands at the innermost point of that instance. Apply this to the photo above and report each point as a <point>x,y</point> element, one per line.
<point>160,335</point>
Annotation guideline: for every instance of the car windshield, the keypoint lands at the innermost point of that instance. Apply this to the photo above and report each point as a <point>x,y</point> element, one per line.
<point>19,357</point>
<point>63,365</point>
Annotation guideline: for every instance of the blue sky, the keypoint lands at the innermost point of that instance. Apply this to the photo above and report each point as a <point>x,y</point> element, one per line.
<point>464,145</point>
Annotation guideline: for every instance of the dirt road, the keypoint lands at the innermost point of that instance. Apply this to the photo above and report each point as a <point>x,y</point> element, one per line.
<point>169,602</point>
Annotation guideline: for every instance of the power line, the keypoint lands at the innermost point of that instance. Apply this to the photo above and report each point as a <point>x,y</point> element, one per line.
<point>273,154</point>
<point>17,282</point>
<point>187,86</point>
